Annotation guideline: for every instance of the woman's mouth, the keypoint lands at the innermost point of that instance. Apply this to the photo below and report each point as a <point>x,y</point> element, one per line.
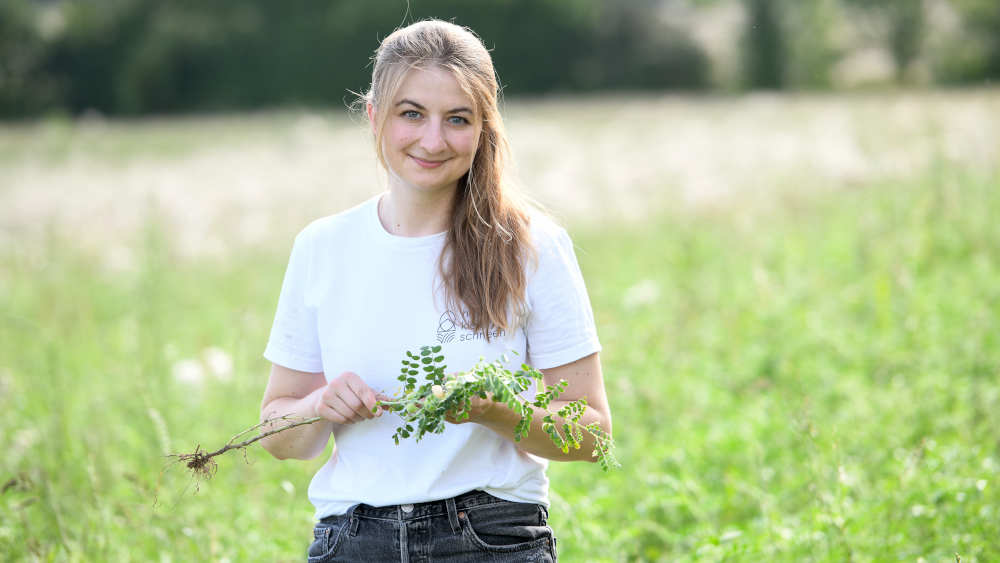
<point>427,163</point>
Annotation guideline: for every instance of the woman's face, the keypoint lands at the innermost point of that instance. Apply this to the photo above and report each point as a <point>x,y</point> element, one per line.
<point>431,133</point>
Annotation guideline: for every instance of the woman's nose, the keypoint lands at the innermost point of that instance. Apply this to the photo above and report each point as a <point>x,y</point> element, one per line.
<point>432,140</point>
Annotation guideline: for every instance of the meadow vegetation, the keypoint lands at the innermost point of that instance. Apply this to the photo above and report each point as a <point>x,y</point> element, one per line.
<point>797,375</point>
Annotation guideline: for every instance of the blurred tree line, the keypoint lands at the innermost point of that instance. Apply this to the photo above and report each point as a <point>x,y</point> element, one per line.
<point>161,56</point>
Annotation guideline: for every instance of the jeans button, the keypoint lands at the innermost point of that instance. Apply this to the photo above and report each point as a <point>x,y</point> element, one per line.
<point>407,508</point>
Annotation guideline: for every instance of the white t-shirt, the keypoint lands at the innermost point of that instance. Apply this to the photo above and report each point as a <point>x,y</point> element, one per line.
<point>356,298</point>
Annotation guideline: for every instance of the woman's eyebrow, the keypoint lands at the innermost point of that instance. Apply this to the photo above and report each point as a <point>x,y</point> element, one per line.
<point>422,108</point>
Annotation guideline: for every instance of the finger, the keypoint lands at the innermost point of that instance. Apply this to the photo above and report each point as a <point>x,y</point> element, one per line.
<point>326,411</point>
<point>364,394</point>
<point>343,410</point>
<point>344,396</point>
<point>349,398</point>
<point>358,409</point>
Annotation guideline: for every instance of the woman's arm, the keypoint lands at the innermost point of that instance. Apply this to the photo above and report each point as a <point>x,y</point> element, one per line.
<point>294,394</point>
<point>300,394</point>
<point>584,380</point>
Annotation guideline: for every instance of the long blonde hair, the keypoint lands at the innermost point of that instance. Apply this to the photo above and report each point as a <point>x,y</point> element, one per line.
<point>482,264</point>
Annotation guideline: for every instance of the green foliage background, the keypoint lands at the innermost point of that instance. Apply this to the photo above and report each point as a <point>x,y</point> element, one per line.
<point>153,57</point>
<point>817,381</point>
<point>144,56</point>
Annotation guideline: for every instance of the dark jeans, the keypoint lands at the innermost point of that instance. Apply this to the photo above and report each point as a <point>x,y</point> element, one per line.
<point>473,526</point>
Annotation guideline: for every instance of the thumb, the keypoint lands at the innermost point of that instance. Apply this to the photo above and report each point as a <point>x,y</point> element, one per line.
<point>379,396</point>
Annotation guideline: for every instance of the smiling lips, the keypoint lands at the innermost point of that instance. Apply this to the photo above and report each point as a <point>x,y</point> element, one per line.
<point>428,163</point>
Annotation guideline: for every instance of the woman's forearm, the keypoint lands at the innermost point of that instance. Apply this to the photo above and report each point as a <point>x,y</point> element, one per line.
<point>302,442</point>
<point>502,420</point>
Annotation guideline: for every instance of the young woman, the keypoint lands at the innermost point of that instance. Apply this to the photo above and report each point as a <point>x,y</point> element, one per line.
<point>445,256</point>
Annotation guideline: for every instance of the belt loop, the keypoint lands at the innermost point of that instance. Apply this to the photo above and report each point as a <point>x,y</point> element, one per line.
<point>352,524</point>
<point>453,515</point>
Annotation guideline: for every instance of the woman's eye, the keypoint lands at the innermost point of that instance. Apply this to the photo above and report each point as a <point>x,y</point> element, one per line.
<point>411,114</point>
<point>458,120</point>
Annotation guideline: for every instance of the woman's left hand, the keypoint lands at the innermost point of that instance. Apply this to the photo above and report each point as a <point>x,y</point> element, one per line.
<point>479,411</point>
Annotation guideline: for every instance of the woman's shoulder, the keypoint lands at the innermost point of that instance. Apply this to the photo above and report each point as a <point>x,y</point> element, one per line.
<point>351,221</point>
<point>546,231</point>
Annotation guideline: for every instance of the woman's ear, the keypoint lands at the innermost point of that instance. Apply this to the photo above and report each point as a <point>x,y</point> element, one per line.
<point>370,110</point>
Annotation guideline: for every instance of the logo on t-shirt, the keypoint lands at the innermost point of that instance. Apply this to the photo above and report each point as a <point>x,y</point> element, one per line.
<point>448,327</point>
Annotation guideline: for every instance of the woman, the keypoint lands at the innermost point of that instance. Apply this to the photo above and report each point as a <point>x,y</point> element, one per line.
<point>445,256</point>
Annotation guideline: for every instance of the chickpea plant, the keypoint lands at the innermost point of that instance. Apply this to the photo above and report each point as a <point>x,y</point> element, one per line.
<point>425,407</point>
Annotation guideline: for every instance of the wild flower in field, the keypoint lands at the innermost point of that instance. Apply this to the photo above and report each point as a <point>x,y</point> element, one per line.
<point>188,371</point>
<point>646,292</point>
<point>24,439</point>
<point>219,363</point>
<point>844,477</point>
<point>730,535</point>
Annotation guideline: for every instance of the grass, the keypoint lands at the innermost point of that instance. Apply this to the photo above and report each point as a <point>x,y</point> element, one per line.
<point>812,385</point>
<point>815,379</point>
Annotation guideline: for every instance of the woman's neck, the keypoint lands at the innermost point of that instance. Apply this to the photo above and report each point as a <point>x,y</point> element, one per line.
<point>408,214</point>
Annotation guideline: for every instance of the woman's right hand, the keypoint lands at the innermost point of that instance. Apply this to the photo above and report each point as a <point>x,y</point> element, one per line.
<point>347,399</point>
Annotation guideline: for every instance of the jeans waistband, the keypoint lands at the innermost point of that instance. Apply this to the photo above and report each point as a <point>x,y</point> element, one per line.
<point>417,510</point>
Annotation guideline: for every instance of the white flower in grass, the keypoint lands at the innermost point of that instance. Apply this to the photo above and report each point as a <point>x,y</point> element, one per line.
<point>219,363</point>
<point>844,477</point>
<point>188,371</point>
<point>644,293</point>
<point>25,438</point>
<point>981,484</point>
<point>288,487</point>
<point>730,535</point>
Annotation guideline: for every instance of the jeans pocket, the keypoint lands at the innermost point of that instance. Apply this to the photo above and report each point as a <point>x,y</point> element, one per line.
<point>327,537</point>
<point>505,528</point>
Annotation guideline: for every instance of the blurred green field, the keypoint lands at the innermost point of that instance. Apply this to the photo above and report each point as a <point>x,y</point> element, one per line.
<point>814,376</point>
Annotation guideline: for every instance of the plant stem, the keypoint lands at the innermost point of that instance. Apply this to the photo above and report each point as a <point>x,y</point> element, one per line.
<point>231,446</point>
<point>199,459</point>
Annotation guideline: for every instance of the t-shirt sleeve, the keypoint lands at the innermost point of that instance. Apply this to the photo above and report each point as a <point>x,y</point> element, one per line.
<point>294,341</point>
<point>560,327</point>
